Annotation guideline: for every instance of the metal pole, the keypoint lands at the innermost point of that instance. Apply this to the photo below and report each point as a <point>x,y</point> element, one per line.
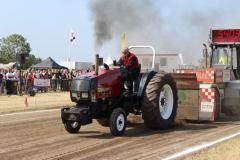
<point>69,56</point>
<point>205,54</point>
<point>19,56</point>
<point>20,79</point>
<point>17,49</point>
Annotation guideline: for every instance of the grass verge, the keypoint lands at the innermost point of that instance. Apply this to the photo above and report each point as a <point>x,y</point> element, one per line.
<point>229,150</point>
<point>41,101</point>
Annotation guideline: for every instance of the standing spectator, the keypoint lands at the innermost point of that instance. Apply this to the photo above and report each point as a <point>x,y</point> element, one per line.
<point>73,74</point>
<point>1,82</point>
<point>59,75</point>
<point>44,75</point>
<point>64,80</point>
<point>16,74</point>
<point>10,75</point>
<point>37,74</point>
<point>29,81</point>
<point>25,75</point>
<point>19,76</point>
<point>54,81</point>
<point>48,76</point>
<point>9,78</point>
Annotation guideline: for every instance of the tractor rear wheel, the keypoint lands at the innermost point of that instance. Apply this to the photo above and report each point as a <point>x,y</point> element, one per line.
<point>117,122</point>
<point>159,104</point>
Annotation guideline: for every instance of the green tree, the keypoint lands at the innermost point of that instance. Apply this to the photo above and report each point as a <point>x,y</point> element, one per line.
<point>31,60</point>
<point>12,45</point>
<point>16,44</point>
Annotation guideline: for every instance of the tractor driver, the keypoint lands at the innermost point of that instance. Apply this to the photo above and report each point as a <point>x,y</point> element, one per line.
<point>224,58</point>
<point>130,66</point>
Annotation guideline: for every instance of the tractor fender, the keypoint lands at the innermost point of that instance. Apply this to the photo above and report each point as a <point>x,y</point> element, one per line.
<point>145,78</point>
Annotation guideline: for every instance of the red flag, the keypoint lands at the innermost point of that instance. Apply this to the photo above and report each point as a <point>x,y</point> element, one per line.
<point>72,37</point>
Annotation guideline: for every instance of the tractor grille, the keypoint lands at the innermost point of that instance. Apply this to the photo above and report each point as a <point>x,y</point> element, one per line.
<point>80,85</point>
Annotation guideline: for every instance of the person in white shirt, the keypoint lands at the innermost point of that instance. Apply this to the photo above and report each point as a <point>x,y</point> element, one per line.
<point>10,75</point>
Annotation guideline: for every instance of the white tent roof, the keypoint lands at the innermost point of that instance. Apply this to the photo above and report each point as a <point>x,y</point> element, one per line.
<point>7,66</point>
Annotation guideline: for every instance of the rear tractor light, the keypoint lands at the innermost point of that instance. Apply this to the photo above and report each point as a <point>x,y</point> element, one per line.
<point>93,97</point>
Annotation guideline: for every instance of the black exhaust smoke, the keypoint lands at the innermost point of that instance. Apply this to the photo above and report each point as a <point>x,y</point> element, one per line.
<point>169,26</point>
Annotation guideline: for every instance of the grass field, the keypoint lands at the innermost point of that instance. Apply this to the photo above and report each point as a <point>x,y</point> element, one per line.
<point>229,150</point>
<point>15,103</point>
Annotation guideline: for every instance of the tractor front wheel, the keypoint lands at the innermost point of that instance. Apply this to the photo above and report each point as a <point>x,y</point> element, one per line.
<point>72,126</point>
<point>117,122</point>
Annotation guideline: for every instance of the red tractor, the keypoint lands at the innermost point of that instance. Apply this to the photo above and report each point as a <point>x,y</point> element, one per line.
<point>191,94</point>
<point>101,95</point>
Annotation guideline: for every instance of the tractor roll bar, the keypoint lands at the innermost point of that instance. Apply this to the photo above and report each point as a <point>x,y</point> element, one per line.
<point>153,50</point>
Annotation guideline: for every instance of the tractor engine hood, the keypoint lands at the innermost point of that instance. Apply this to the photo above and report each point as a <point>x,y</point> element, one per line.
<point>102,72</point>
<point>109,82</point>
<point>106,84</point>
<point>105,78</point>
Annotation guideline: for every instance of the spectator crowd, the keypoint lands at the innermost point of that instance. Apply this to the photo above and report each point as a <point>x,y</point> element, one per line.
<point>24,80</point>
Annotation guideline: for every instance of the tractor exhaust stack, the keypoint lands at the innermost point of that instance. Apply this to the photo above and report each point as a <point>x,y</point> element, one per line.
<point>96,64</point>
<point>205,55</point>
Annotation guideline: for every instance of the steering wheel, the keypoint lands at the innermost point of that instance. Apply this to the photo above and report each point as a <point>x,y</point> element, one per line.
<point>106,66</point>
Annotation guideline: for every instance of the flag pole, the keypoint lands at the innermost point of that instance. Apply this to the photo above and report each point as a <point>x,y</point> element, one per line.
<point>69,48</point>
<point>69,52</point>
<point>72,40</point>
<point>69,55</point>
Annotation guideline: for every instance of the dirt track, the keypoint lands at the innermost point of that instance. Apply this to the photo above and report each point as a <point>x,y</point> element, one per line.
<point>40,135</point>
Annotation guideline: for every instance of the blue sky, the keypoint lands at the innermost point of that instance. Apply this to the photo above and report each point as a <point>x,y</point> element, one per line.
<point>46,25</point>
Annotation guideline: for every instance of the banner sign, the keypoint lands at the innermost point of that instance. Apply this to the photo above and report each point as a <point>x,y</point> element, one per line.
<point>41,82</point>
<point>226,35</point>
